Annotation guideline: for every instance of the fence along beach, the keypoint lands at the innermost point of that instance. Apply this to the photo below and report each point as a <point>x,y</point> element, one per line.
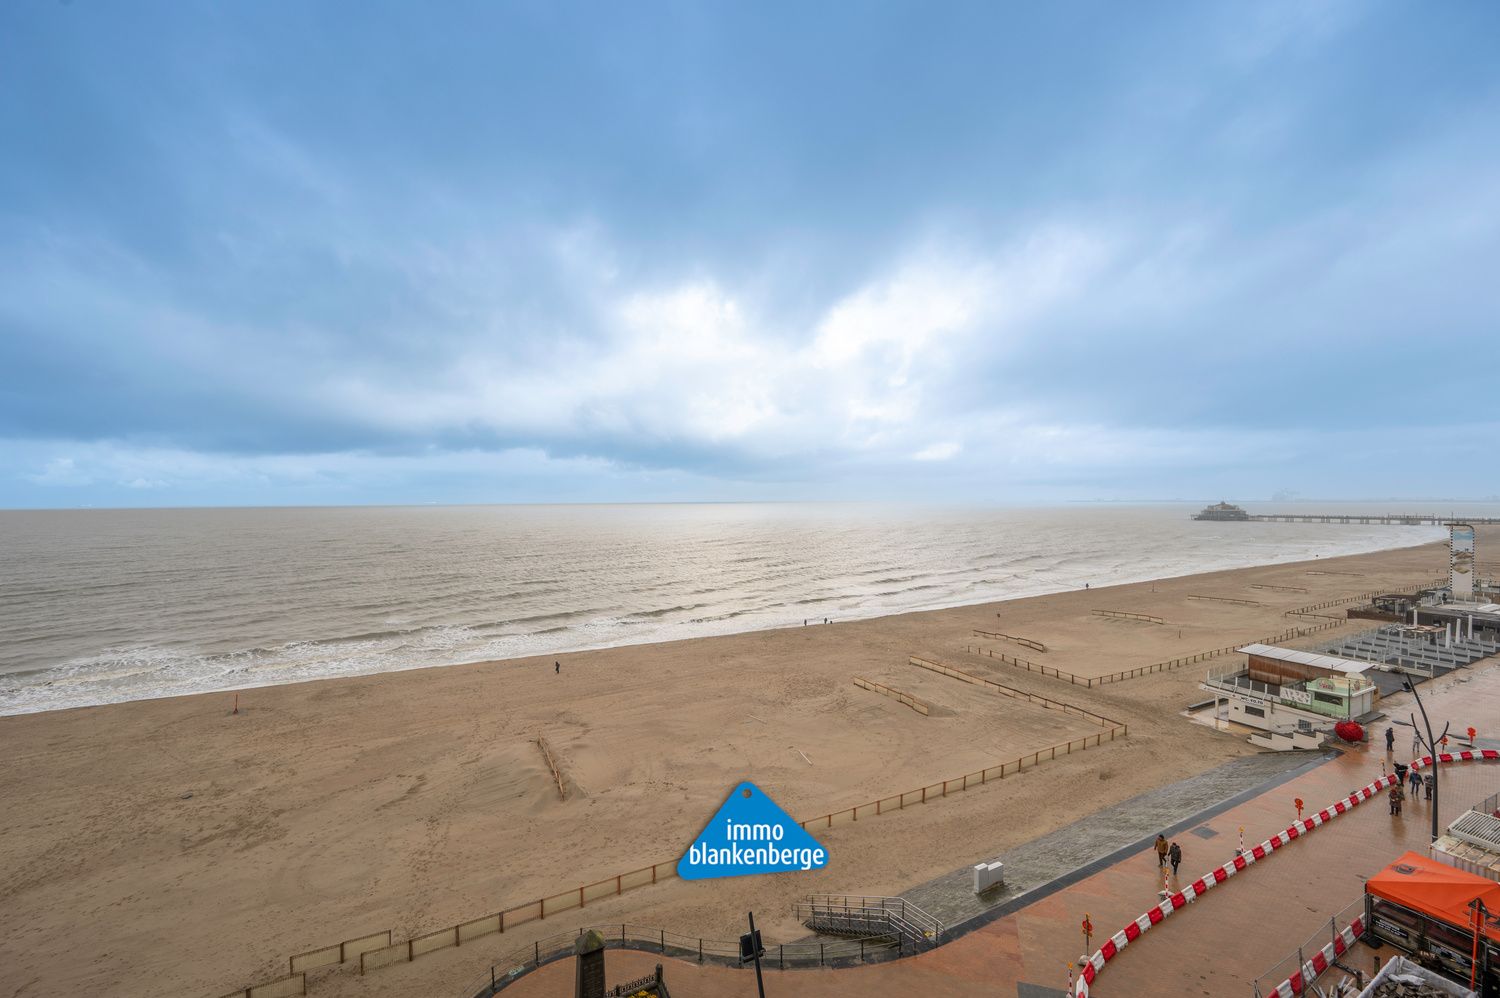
<point>417,801</point>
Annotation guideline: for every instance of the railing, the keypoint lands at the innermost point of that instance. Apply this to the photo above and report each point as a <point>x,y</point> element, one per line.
<point>1233,685</point>
<point>387,952</point>
<point>1021,663</point>
<point>1013,693</point>
<point>1301,967</point>
<point>1307,611</point>
<point>1227,599</point>
<point>915,703</point>
<point>557,777</point>
<point>1001,636</point>
<point>920,926</point>
<point>1176,663</point>
<point>778,956</point>
<point>1129,615</point>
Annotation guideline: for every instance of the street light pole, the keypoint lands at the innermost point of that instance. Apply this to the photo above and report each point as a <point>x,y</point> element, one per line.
<point>1430,745</point>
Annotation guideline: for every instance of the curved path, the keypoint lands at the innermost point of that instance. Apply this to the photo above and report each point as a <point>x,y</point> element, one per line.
<point>1293,985</point>
<point>1026,951</point>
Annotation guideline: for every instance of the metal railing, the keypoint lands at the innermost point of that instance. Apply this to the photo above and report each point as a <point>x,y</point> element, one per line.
<point>1297,960</point>
<point>621,935</point>
<point>897,915</point>
<point>1233,684</point>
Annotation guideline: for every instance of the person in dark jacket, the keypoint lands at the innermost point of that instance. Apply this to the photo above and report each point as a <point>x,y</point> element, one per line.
<point>1416,782</point>
<point>1390,739</point>
<point>1176,853</point>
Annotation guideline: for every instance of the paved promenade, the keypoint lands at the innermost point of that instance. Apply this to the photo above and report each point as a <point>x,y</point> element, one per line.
<point>1217,946</point>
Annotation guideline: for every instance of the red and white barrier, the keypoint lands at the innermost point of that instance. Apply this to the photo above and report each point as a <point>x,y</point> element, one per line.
<point>1321,961</point>
<point>1310,970</point>
<point>1152,916</point>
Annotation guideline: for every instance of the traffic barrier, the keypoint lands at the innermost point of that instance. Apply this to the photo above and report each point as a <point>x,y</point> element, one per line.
<point>1095,964</point>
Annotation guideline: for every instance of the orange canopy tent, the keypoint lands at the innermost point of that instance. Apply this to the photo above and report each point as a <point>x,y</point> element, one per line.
<point>1438,890</point>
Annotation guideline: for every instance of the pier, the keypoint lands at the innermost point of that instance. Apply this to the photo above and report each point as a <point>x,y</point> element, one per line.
<point>1398,519</point>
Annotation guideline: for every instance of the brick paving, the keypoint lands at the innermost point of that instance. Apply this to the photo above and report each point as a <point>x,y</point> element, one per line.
<point>1056,859</point>
<point>1217,946</point>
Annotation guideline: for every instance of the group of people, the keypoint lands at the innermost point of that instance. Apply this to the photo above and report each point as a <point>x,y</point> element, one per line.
<point>1166,853</point>
<point>1419,782</point>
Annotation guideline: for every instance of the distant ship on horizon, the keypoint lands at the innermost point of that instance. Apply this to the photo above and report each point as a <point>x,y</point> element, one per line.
<point>1221,511</point>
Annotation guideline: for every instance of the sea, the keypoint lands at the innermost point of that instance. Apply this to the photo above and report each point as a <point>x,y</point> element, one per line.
<point>103,606</point>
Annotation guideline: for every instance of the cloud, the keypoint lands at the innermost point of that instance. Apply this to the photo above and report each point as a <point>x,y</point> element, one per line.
<point>1208,237</point>
<point>939,451</point>
<point>60,471</point>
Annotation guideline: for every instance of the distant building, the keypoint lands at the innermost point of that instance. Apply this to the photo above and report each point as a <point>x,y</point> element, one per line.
<point>1478,621</point>
<point>1222,511</point>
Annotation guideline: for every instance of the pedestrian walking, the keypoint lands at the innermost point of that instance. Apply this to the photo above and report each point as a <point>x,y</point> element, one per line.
<point>1397,795</point>
<point>1427,783</point>
<point>1416,783</point>
<point>1161,850</point>
<point>1176,854</point>
<point>1416,744</point>
<point>557,668</point>
<point>1390,739</point>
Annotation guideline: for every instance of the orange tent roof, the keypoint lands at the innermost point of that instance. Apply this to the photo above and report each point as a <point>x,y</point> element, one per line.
<point>1439,890</point>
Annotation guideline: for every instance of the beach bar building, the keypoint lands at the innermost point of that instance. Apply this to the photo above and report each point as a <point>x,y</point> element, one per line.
<point>1292,697</point>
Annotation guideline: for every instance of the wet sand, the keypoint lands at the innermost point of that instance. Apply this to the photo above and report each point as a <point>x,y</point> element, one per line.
<point>171,848</point>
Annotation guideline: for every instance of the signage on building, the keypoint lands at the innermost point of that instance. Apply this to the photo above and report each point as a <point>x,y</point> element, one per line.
<point>1461,560</point>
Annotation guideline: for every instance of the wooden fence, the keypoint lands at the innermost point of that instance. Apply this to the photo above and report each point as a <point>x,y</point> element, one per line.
<point>1226,599</point>
<point>282,987</point>
<point>1308,611</point>
<point>557,777</point>
<point>378,950</point>
<point>915,703</point>
<point>1129,615</point>
<point>1015,694</point>
<point>1027,642</point>
<point>1021,663</point>
<point>344,952</point>
<point>1176,663</point>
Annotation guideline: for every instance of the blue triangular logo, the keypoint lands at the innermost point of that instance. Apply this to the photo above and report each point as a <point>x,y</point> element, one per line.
<point>750,834</point>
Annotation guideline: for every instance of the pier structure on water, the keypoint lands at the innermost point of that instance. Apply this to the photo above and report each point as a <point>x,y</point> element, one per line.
<point>1398,519</point>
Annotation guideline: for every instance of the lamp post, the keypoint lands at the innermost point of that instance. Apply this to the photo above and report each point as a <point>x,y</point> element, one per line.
<point>1430,745</point>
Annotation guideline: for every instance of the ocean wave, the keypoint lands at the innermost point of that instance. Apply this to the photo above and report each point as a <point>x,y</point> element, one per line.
<point>231,634</point>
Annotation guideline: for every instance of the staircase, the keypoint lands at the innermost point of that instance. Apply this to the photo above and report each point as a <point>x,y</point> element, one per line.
<point>1288,741</point>
<point>912,928</point>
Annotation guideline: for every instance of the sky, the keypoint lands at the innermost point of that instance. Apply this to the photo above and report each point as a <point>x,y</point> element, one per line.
<point>316,252</point>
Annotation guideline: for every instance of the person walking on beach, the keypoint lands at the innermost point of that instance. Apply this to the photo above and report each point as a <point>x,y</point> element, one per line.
<point>1161,850</point>
<point>1176,854</point>
<point>557,668</point>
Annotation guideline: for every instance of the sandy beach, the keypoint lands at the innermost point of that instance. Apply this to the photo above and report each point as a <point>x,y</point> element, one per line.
<point>170,847</point>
